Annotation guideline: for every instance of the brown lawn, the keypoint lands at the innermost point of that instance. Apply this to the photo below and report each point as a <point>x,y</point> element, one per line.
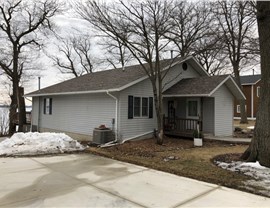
<point>186,160</point>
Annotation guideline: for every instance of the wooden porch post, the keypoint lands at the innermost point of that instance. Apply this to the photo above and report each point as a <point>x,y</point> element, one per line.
<point>201,116</point>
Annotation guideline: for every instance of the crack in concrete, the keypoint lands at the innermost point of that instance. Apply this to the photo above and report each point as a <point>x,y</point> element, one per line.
<point>196,197</point>
<point>58,181</point>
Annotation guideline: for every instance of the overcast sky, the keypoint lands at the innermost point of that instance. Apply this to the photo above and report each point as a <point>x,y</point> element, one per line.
<point>67,23</point>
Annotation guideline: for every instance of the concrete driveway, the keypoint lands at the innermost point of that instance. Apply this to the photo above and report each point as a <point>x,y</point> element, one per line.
<point>85,180</point>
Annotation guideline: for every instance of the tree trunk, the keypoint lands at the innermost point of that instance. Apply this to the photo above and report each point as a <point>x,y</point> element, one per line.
<point>21,109</point>
<point>259,149</point>
<point>12,115</point>
<point>243,112</point>
<point>159,112</point>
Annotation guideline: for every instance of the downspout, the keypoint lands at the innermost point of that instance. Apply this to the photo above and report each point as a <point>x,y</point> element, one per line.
<point>39,107</point>
<point>116,118</point>
<point>252,99</point>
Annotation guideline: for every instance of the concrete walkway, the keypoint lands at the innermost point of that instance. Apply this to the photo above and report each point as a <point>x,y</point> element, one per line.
<point>230,139</point>
<point>85,180</point>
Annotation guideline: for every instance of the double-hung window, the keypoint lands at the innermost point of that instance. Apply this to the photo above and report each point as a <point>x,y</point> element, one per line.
<point>144,106</point>
<point>140,107</point>
<point>47,106</point>
<point>137,107</point>
<point>193,108</point>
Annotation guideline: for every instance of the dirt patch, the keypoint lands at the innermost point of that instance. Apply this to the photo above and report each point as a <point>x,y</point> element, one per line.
<point>180,157</point>
<point>227,158</point>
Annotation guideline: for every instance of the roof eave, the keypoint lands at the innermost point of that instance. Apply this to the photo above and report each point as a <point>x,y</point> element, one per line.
<point>187,95</point>
<point>71,93</point>
<point>234,84</point>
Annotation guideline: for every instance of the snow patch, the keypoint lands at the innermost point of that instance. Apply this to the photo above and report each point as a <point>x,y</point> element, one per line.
<point>38,143</point>
<point>260,174</point>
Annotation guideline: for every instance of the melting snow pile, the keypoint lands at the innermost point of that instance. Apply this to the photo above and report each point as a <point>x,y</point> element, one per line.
<point>260,174</point>
<point>38,143</point>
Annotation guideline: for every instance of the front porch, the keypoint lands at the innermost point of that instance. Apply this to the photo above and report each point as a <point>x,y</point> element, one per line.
<point>183,114</point>
<point>182,127</point>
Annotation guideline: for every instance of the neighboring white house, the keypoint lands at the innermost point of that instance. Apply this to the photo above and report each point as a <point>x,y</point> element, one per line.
<point>123,100</point>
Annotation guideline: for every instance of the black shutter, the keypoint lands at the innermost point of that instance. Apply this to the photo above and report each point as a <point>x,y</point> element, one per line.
<point>44,106</point>
<point>130,107</point>
<point>150,107</point>
<point>50,106</point>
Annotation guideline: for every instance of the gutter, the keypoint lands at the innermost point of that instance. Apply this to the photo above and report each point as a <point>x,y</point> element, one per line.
<point>116,116</point>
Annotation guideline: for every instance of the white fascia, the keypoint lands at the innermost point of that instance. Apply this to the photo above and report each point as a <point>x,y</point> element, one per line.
<point>188,95</point>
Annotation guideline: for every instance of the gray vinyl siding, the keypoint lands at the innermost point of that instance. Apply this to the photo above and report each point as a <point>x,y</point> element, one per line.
<point>79,113</point>
<point>35,110</point>
<point>176,73</point>
<point>137,126</point>
<point>223,112</point>
<point>208,115</point>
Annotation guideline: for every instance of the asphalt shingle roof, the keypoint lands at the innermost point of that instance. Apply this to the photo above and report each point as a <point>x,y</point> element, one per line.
<point>250,79</point>
<point>195,86</point>
<point>102,80</point>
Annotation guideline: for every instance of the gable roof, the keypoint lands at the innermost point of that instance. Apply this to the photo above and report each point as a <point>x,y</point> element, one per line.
<point>250,79</point>
<point>109,80</point>
<point>203,87</point>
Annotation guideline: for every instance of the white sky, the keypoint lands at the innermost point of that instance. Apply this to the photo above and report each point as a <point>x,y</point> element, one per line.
<point>51,75</point>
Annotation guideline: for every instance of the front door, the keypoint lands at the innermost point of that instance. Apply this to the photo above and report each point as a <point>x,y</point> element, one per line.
<point>171,114</point>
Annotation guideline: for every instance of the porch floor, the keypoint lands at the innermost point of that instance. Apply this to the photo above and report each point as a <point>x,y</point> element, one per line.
<point>186,133</point>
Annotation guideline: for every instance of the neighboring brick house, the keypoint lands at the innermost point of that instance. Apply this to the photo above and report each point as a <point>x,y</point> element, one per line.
<point>251,89</point>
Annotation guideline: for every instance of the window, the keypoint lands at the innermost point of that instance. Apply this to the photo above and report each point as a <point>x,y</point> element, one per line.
<point>140,107</point>
<point>144,106</point>
<point>48,106</point>
<point>258,91</point>
<point>193,108</point>
<point>238,109</point>
<point>137,106</point>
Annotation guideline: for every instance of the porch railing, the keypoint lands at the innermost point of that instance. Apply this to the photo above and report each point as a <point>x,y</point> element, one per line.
<point>181,124</point>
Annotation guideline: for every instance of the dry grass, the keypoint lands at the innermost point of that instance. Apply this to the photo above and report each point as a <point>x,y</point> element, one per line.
<point>236,123</point>
<point>189,161</point>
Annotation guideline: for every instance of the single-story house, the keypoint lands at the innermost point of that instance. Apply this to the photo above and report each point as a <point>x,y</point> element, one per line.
<point>122,99</point>
<point>251,88</point>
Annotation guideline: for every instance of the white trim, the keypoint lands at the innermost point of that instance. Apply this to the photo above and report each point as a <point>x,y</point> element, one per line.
<point>259,87</point>
<point>238,110</point>
<point>187,95</point>
<point>220,84</point>
<point>198,64</point>
<point>252,83</point>
<point>252,100</point>
<point>225,80</point>
<point>72,93</point>
<point>249,118</point>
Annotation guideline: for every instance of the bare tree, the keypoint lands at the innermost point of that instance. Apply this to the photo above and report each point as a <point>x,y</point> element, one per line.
<point>21,24</point>
<point>141,28</point>
<point>190,23</point>
<point>259,149</point>
<point>117,53</point>
<point>212,56</point>
<point>75,55</point>
<point>236,20</point>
